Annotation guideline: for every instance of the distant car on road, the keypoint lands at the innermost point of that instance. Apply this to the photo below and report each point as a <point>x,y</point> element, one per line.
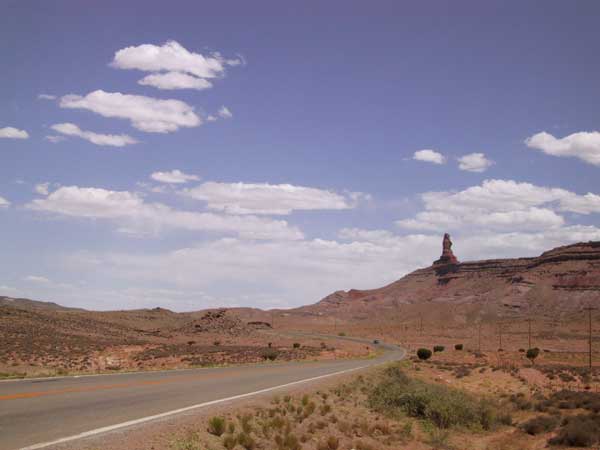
<point>375,341</point>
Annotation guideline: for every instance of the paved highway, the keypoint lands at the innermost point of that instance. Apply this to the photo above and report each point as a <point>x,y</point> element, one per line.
<point>44,412</point>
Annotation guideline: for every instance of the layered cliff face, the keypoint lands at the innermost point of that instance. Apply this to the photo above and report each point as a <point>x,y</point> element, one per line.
<point>558,282</point>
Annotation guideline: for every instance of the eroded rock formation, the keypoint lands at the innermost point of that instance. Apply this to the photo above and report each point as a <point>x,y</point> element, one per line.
<point>447,254</point>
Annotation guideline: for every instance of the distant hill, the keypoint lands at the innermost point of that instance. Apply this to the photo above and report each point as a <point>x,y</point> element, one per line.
<point>558,282</point>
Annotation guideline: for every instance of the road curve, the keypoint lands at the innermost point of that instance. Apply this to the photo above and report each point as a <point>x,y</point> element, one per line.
<point>44,412</point>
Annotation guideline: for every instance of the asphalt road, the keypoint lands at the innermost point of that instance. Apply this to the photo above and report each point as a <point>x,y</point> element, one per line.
<point>37,413</point>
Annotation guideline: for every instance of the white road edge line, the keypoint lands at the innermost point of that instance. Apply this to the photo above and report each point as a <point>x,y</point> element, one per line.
<point>180,410</point>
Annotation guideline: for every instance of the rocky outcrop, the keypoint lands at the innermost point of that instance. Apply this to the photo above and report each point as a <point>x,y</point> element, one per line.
<point>447,254</point>
<point>219,321</point>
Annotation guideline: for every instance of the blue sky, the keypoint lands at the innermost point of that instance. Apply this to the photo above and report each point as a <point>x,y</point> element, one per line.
<point>265,154</point>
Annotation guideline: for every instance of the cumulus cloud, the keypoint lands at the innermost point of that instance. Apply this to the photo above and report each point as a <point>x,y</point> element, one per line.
<point>4,203</point>
<point>582,145</point>
<point>145,113</point>
<point>46,97</point>
<point>175,67</point>
<point>175,80</point>
<point>133,215</point>
<point>304,271</point>
<point>429,156</point>
<point>13,133</point>
<point>474,162</point>
<point>497,204</point>
<point>113,140</point>
<point>171,57</point>
<point>225,113</point>
<point>264,198</point>
<point>173,177</point>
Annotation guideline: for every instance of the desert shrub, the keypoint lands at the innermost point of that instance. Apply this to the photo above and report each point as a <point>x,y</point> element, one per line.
<point>445,407</point>
<point>532,353</point>
<point>579,431</point>
<point>246,441</point>
<point>458,346</point>
<point>505,419</point>
<point>424,354</point>
<point>325,409</point>
<point>190,442</point>
<point>296,345</point>
<point>331,443</point>
<point>438,439</point>
<point>229,442</point>
<point>438,348</point>
<point>270,354</point>
<point>341,333</point>
<point>361,445</point>
<point>521,402</point>
<point>246,423</point>
<point>289,442</point>
<point>521,350</point>
<point>216,343</point>
<point>540,424</point>
<point>462,371</point>
<point>216,426</point>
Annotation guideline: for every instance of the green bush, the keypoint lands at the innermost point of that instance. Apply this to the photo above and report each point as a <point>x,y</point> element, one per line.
<point>342,334</point>
<point>424,354</point>
<point>458,347</point>
<point>216,426</point>
<point>396,394</point>
<point>438,348</point>
<point>532,353</point>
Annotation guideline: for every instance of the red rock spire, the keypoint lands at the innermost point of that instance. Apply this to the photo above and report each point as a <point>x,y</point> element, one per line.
<point>447,255</point>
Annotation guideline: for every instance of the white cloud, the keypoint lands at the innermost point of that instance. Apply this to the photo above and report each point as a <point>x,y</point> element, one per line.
<point>36,279</point>
<point>46,97</point>
<point>42,188</point>
<point>170,57</point>
<point>4,203</point>
<point>175,80</point>
<point>174,176</point>
<point>474,162</point>
<point>302,272</point>
<point>582,145</point>
<point>13,133</point>
<point>429,156</point>
<point>211,118</point>
<point>135,216</point>
<point>264,198</point>
<point>145,113</point>
<point>498,204</point>
<point>113,140</point>
<point>225,113</point>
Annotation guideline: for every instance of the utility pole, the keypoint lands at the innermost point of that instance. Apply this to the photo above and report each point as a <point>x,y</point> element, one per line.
<point>479,337</point>
<point>589,309</point>
<point>500,334</point>
<point>529,333</point>
<point>272,319</point>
